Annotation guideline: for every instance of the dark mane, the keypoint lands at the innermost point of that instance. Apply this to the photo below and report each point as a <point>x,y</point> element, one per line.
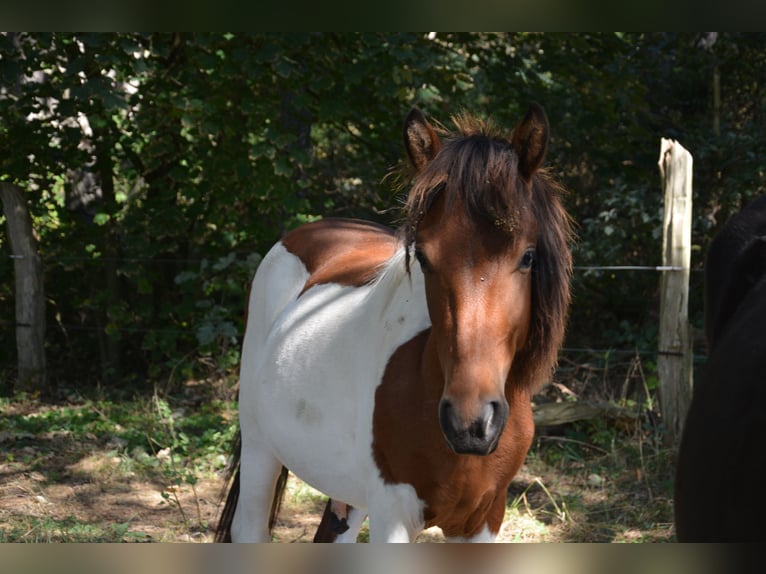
<point>550,283</point>
<point>478,167</point>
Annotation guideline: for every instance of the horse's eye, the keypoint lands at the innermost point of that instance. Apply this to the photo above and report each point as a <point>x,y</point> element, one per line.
<point>422,259</point>
<point>527,259</point>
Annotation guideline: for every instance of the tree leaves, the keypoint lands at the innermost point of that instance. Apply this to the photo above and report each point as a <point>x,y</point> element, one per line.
<point>215,144</point>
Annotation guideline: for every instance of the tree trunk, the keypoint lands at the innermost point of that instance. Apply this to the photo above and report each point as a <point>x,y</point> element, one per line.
<point>29,292</point>
<point>111,343</point>
<point>717,101</point>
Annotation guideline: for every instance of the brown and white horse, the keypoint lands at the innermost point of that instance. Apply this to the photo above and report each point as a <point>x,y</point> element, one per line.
<point>403,390</point>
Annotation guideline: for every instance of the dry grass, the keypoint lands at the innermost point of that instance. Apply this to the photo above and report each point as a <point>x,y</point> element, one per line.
<point>560,495</point>
<point>71,474</point>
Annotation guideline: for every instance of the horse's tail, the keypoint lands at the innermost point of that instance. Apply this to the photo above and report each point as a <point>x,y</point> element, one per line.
<point>223,530</point>
<point>279,494</point>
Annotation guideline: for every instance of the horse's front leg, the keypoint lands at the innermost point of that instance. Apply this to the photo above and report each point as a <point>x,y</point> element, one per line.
<point>484,535</point>
<point>396,514</point>
<point>389,529</point>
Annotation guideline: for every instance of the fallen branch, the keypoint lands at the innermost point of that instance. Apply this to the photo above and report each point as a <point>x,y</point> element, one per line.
<point>574,441</point>
<point>553,414</point>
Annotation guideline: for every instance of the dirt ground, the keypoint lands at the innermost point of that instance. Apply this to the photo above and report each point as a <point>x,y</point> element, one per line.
<point>78,495</point>
<point>603,485</point>
<point>88,497</point>
<point>124,508</point>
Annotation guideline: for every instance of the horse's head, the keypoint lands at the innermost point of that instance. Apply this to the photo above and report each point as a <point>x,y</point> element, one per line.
<point>475,225</point>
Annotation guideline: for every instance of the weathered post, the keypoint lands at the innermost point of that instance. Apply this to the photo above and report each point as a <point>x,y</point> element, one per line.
<point>29,291</point>
<point>674,361</point>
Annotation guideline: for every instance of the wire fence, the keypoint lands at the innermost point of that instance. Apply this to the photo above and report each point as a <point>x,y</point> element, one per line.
<point>160,260</point>
<point>191,330</point>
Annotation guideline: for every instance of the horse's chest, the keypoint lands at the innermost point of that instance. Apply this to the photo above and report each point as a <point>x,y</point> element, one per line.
<point>460,508</point>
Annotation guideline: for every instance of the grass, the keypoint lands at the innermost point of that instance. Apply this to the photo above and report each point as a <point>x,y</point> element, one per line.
<point>34,529</point>
<point>619,491</point>
<point>135,428</point>
<point>606,485</point>
<point>73,471</point>
<point>148,468</point>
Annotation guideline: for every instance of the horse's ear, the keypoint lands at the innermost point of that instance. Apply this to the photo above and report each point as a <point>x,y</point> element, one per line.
<point>420,139</point>
<point>530,140</point>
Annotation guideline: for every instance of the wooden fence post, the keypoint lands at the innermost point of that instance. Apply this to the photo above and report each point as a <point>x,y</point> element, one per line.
<point>29,291</point>
<point>674,361</point>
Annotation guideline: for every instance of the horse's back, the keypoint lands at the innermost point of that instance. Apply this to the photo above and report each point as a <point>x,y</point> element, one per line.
<point>732,265</point>
<point>340,251</point>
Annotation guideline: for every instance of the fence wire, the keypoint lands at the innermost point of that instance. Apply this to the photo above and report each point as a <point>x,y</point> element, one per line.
<point>192,330</point>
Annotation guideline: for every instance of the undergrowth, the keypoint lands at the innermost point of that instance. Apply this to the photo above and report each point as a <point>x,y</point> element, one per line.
<point>600,484</point>
<point>170,441</point>
<point>597,480</point>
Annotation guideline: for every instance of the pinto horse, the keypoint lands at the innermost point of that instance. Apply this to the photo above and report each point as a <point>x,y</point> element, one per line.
<point>393,370</point>
<point>719,473</point>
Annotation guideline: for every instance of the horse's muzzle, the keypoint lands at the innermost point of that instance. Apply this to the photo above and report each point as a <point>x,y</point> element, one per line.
<point>479,436</point>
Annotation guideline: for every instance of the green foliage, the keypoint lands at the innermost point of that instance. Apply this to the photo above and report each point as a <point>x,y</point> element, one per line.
<point>206,147</point>
<point>173,442</point>
<point>68,530</point>
<point>138,429</point>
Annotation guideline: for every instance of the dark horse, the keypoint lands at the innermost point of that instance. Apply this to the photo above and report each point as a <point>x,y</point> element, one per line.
<point>722,455</point>
<point>393,370</point>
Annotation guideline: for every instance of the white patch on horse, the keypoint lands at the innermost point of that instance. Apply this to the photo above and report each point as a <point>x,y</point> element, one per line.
<point>307,414</point>
<point>396,513</point>
<point>316,358</point>
<point>484,535</point>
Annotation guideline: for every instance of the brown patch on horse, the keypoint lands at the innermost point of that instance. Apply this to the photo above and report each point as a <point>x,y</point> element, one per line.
<point>498,177</point>
<point>479,300</point>
<point>341,251</point>
<point>475,210</point>
<point>462,493</point>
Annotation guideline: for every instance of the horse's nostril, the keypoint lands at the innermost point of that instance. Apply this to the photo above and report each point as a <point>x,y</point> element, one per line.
<point>447,417</point>
<point>500,411</point>
<point>489,415</point>
<point>477,436</point>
